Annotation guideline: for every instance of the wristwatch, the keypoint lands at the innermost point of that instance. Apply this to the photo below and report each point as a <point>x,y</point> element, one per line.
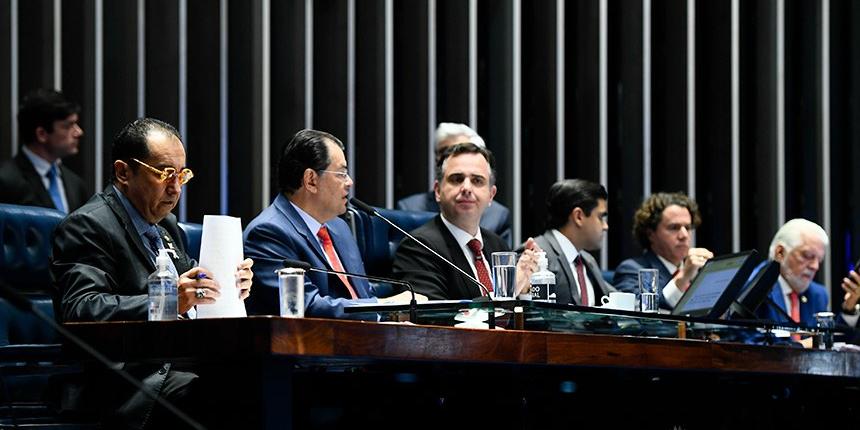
<point>854,310</point>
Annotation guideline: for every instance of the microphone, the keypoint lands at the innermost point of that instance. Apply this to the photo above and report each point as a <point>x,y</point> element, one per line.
<point>491,318</point>
<point>18,300</point>
<point>307,267</point>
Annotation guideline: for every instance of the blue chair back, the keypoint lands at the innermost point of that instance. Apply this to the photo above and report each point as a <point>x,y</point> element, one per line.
<point>378,241</point>
<point>192,234</point>
<point>26,234</point>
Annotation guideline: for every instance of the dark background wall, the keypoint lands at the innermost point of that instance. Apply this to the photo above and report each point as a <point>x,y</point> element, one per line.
<point>749,106</point>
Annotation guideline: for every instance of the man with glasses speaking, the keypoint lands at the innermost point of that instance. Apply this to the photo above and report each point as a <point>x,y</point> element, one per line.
<point>104,251</point>
<point>302,224</point>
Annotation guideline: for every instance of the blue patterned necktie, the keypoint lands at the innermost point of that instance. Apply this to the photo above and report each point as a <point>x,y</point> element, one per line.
<point>54,189</point>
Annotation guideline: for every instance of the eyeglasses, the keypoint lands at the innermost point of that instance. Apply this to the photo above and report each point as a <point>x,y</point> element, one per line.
<point>169,173</point>
<point>342,175</point>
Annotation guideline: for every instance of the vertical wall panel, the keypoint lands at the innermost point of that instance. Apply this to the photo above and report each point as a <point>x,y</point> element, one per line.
<point>288,70</point>
<point>758,154</point>
<point>581,92</point>
<point>202,135</point>
<point>35,28</point>
<point>120,62</point>
<point>495,97</point>
<point>625,125</point>
<point>452,60</point>
<point>330,90</point>
<point>240,123</point>
<point>7,111</point>
<point>78,72</point>
<point>713,125</point>
<point>370,106</point>
<point>669,95</point>
<point>539,91</point>
<point>410,98</point>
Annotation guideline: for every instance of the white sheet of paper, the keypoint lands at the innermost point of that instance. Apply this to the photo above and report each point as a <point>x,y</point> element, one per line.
<point>220,253</point>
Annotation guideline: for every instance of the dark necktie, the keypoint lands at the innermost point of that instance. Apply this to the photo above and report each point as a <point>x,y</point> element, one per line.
<point>54,189</point>
<point>580,278</point>
<point>483,276</point>
<point>328,247</point>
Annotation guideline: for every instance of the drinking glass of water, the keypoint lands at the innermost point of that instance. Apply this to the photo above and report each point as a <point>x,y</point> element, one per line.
<point>291,285</point>
<point>504,273</point>
<point>649,291</point>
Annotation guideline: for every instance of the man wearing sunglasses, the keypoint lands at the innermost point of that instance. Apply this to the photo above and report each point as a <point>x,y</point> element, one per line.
<point>104,251</point>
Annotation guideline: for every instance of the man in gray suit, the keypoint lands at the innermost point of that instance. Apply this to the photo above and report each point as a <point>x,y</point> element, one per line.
<point>576,222</point>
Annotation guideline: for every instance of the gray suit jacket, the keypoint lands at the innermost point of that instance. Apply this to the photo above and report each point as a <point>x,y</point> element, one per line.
<point>565,283</point>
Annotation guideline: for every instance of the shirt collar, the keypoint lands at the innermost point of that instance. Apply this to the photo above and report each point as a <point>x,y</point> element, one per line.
<point>313,224</point>
<point>669,266</point>
<point>140,225</point>
<point>786,289</point>
<point>567,247</point>
<point>41,165</point>
<point>461,236</point>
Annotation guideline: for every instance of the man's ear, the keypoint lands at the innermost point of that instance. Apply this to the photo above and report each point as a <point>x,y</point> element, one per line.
<point>310,180</point>
<point>577,216</point>
<point>121,171</point>
<point>436,190</point>
<point>41,135</point>
<point>779,253</point>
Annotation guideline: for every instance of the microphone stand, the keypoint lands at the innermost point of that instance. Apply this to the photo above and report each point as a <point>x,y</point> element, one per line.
<point>491,318</point>
<point>19,301</point>
<point>413,304</point>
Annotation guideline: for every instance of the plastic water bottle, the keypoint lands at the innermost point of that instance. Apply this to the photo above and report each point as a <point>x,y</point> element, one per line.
<point>163,305</point>
<point>543,281</point>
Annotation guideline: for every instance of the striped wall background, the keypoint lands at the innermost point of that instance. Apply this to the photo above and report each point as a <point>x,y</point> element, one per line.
<point>750,106</point>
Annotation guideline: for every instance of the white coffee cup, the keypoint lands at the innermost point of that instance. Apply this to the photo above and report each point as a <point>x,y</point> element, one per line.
<point>619,300</point>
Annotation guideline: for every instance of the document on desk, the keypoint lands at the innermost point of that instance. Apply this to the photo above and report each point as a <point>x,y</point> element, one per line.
<point>220,253</point>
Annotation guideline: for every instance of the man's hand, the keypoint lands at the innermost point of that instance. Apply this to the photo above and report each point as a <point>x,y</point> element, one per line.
<point>851,286</point>
<point>403,298</point>
<point>243,278</point>
<point>526,265</point>
<point>696,258</point>
<point>193,280</point>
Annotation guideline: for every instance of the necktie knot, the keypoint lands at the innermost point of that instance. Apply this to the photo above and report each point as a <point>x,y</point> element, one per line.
<point>52,172</point>
<point>476,247</point>
<point>323,235</point>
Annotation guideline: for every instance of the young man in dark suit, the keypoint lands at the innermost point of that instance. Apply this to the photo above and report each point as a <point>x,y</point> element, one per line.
<point>464,188</point>
<point>49,130</point>
<point>576,222</point>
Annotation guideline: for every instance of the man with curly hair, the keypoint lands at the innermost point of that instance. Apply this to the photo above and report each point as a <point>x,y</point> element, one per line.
<point>664,225</point>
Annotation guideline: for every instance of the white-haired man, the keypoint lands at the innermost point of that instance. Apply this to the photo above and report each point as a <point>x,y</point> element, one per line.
<point>799,246</point>
<point>496,218</point>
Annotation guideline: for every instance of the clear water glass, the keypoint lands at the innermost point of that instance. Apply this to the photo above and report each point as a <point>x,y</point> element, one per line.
<point>291,286</point>
<point>649,291</point>
<point>504,273</point>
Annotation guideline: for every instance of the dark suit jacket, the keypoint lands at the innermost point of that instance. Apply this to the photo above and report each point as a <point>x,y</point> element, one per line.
<point>20,184</point>
<point>497,218</point>
<point>566,290</point>
<point>279,232</point>
<point>99,269</point>
<point>812,301</point>
<point>627,274</point>
<point>432,277</point>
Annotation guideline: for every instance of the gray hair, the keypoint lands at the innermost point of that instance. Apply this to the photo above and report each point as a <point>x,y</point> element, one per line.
<point>791,234</point>
<point>447,130</point>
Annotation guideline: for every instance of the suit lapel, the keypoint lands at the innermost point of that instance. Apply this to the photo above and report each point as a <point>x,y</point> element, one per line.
<point>561,259</point>
<point>119,210</point>
<point>348,260</point>
<point>31,176</point>
<point>664,275</point>
<point>284,205</point>
<point>459,259</point>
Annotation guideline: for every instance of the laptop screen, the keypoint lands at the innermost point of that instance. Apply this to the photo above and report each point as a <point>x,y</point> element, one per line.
<point>715,287</point>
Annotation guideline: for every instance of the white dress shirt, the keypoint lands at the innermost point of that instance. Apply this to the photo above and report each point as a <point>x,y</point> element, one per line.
<point>671,292</point>
<point>463,237</point>
<point>570,253</point>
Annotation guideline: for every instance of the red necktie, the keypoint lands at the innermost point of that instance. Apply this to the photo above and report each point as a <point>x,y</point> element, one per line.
<point>332,257</point>
<point>795,307</point>
<point>580,277</point>
<point>483,276</point>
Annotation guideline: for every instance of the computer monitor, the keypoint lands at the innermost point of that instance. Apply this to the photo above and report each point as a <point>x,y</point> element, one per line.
<point>755,291</point>
<point>715,287</point>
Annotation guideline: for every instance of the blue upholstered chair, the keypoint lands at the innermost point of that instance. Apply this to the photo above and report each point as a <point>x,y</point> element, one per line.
<point>192,236</point>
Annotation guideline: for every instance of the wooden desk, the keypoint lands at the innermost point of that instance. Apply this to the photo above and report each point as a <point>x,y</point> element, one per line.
<point>438,356</point>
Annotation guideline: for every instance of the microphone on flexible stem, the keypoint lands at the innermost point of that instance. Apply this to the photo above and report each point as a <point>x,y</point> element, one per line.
<point>18,300</point>
<point>307,267</point>
<point>491,318</point>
